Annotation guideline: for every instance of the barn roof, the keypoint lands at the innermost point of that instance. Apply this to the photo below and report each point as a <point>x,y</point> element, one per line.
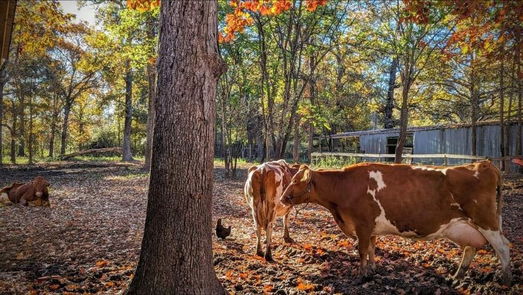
<point>395,131</point>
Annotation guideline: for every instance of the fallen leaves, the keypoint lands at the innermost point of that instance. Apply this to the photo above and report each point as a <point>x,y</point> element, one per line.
<point>101,263</point>
<point>304,286</point>
<point>89,243</point>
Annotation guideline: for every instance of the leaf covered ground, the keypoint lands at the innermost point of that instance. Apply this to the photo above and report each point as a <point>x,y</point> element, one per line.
<point>89,241</point>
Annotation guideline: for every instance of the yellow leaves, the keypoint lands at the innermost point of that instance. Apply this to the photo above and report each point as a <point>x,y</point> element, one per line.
<point>143,5</point>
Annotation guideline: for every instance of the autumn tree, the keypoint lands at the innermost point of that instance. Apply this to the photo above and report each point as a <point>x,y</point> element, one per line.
<point>176,252</point>
<point>128,46</point>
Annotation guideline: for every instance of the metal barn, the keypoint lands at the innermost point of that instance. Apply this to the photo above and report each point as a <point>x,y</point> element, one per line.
<point>450,139</point>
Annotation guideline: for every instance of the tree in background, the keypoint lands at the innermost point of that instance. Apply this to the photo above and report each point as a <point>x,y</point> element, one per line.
<point>128,46</point>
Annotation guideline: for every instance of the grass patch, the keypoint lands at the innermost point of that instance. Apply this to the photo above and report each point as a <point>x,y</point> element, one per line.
<point>334,162</point>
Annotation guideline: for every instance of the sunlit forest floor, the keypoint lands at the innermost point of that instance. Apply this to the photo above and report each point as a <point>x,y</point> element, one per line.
<point>89,241</point>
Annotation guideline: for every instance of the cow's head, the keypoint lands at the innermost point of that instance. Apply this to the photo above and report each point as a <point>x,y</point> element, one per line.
<point>299,190</point>
<point>41,186</point>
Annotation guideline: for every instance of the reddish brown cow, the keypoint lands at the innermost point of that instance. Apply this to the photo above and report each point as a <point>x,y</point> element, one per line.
<point>263,189</point>
<point>460,203</point>
<point>34,192</point>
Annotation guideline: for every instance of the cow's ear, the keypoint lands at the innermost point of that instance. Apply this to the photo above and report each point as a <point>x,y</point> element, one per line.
<point>306,174</point>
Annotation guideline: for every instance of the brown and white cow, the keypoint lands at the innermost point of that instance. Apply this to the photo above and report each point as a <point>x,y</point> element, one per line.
<point>34,192</point>
<point>460,203</point>
<point>263,188</point>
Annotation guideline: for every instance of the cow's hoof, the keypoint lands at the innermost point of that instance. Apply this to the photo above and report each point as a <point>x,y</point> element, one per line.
<point>506,279</point>
<point>259,253</point>
<point>288,240</point>
<point>268,257</point>
<point>458,275</point>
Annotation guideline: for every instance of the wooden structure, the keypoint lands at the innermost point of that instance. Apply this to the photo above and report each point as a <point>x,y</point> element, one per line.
<point>433,140</point>
<point>7,17</point>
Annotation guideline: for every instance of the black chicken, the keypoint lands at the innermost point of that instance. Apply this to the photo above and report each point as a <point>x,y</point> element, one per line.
<point>221,231</point>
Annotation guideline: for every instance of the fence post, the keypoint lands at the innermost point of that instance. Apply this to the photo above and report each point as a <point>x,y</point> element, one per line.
<point>445,159</point>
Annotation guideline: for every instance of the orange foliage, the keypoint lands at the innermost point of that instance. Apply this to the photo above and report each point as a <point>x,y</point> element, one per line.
<point>304,286</point>
<point>486,25</point>
<point>313,4</point>
<point>241,16</point>
<point>143,5</point>
<point>267,289</point>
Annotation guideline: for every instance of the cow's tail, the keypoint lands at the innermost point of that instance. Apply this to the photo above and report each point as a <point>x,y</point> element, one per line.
<point>499,196</point>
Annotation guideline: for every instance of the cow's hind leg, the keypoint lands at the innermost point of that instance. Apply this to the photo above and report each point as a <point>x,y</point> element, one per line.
<point>268,233</point>
<point>500,245</point>
<point>468,255</point>
<point>364,243</point>
<point>286,236</point>
<point>259,251</point>
<point>372,252</point>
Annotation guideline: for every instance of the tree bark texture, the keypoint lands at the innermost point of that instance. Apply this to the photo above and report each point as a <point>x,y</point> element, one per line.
<point>176,253</point>
<point>151,76</point>
<point>296,145</point>
<point>404,119</point>
<point>519,149</point>
<point>65,126</point>
<point>501,109</point>
<point>126,147</point>
<point>474,105</point>
<point>31,143</point>
<point>3,81</point>
<point>389,106</point>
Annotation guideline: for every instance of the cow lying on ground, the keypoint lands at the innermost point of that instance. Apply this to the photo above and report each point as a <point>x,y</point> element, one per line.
<point>35,192</point>
<point>263,189</point>
<point>460,203</point>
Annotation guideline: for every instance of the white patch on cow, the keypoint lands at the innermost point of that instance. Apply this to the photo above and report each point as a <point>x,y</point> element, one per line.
<point>442,170</point>
<point>476,174</point>
<point>383,225</point>
<point>456,205</point>
<point>376,175</point>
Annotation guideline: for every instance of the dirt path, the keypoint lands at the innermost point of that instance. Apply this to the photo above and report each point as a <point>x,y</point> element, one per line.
<point>89,242</point>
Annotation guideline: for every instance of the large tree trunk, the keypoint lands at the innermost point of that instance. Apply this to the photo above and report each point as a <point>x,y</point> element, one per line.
<point>12,153</point>
<point>31,130</point>
<point>519,149</point>
<point>389,106</point>
<point>176,252</point>
<point>296,145</point>
<point>474,105</point>
<point>126,147</point>
<point>51,138</point>
<point>3,80</point>
<point>21,130</point>
<point>151,77</point>
<point>65,126</point>
<point>501,109</point>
